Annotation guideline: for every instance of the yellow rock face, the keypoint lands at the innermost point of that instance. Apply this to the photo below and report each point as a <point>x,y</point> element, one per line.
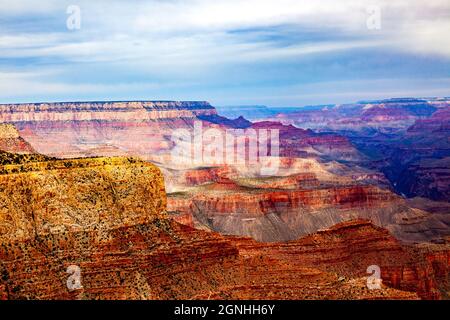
<point>8,131</point>
<point>38,198</point>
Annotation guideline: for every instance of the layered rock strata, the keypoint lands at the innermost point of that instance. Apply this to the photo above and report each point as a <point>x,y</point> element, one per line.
<point>11,141</point>
<point>279,215</point>
<point>103,111</point>
<point>46,197</point>
<point>108,221</point>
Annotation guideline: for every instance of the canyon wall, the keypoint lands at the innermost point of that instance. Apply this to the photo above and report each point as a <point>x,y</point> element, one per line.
<point>43,197</point>
<point>83,129</point>
<point>323,178</point>
<point>89,111</point>
<point>11,141</point>
<point>273,215</point>
<point>107,218</point>
<point>144,128</point>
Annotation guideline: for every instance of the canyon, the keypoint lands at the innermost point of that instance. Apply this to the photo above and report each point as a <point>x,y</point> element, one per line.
<point>135,251</point>
<point>285,208</point>
<point>344,180</point>
<point>96,185</point>
<point>405,139</point>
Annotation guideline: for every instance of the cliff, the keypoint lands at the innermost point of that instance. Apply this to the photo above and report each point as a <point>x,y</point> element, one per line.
<point>89,111</point>
<point>416,161</point>
<point>438,123</point>
<point>164,260</point>
<point>85,129</point>
<point>107,218</point>
<point>285,208</point>
<point>349,248</point>
<point>299,143</point>
<point>384,116</point>
<point>42,197</point>
<point>11,141</point>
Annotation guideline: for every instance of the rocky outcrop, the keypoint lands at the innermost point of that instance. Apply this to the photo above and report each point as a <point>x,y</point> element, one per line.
<point>106,218</point>
<point>300,143</point>
<point>11,141</point>
<point>164,260</point>
<point>280,210</point>
<point>238,123</point>
<point>43,197</point>
<point>350,248</point>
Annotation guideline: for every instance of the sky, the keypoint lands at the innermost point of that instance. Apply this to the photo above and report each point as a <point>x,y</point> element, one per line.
<point>228,52</point>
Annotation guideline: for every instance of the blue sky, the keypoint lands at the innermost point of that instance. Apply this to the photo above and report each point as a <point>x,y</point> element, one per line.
<point>229,52</point>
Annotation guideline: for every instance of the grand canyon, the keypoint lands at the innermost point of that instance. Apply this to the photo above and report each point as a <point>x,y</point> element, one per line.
<point>97,186</point>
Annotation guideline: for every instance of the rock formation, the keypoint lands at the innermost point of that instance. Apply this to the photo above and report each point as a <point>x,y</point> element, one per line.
<point>11,141</point>
<point>42,197</point>
<point>103,111</point>
<point>349,248</point>
<point>416,161</point>
<point>286,209</point>
<point>106,218</point>
<point>79,129</point>
<point>308,169</point>
<point>144,129</point>
<point>405,139</point>
<point>384,115</point>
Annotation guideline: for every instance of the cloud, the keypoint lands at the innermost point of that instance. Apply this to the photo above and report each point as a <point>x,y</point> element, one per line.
<point>179,25</point>
<point>23,84</point>
<point>335,92</point>
<point>198,41</point>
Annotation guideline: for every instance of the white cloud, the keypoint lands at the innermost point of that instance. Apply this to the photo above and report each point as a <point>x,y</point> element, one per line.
<point>20,84</point>
<point>114,30</point>
<point>22,7</point>
<point>344,91</point>
<point>182,37</point>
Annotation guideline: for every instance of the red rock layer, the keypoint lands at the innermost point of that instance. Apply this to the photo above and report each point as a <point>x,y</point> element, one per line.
<point>285,208</point>
<point>261,203</point>
<point>107,218</point>
<point>145,129</point>
<point>207,175</point>
<point>164,260</point>
<point>295,142</point>
<point>350,247</point>
<point>11,141</point>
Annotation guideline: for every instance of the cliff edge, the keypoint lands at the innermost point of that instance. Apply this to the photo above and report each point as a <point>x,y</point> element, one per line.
<point>42,197</point>
<point>11,141</point>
